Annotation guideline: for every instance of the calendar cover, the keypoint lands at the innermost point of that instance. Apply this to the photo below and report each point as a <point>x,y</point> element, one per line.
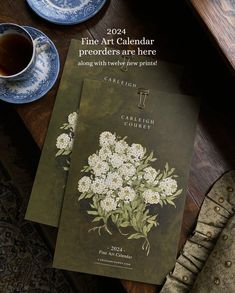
<point>127,182</point>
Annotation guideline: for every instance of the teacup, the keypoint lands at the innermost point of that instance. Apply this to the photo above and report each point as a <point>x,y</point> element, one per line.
<point>18,52</point>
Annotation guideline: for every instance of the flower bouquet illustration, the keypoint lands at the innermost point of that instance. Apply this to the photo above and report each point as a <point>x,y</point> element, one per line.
<point>64,142</point>
<point>122,188</point>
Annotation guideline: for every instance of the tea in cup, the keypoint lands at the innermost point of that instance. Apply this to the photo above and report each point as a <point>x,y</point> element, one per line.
<point>18,52</point>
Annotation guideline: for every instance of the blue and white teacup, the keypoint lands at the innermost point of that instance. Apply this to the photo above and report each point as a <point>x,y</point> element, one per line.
<point>18,52</point>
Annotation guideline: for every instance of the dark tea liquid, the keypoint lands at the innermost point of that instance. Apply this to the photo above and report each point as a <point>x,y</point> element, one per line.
<point>15,53</point>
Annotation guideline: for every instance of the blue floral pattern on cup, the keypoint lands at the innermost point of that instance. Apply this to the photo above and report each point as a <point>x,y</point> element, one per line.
<point>66,11</point>
<point>42,78</point>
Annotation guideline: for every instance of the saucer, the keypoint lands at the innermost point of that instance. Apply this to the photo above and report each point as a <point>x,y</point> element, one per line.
<point>66,12</point>
<point>42,79</point>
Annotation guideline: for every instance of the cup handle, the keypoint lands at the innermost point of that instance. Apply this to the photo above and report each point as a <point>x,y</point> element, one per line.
<point>41,44</point>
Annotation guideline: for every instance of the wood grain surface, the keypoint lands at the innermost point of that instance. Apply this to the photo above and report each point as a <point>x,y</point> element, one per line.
<point>179,39</point>
<point>219,17</point>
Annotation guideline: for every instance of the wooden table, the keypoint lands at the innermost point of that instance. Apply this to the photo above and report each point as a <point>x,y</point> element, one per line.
<point>214,144</point>
<point>219,19</point>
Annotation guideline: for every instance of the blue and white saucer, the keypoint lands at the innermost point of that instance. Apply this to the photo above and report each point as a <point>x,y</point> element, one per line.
<point>66,12</point>
<point>41,80</point>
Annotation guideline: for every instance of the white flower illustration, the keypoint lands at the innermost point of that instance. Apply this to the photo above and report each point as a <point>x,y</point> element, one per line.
<point>116,160</point>
<point>122,187</point>
<point>108,204</point>
<point>136,152</point>
<point>98,186</point>
<point>121,146</point>
<point>168,186</point>
<point>104,153</point>
<point>72,120</point>
<point>93,160</point>
<point>100,168</point>
<point>107,138</point>
<point>151,197</point>
<point>64,141</point>
<point>127,170</point>
<point>150,174</point>
<point>127,194</point>
<point>114,181</point>
<point>84,184</point>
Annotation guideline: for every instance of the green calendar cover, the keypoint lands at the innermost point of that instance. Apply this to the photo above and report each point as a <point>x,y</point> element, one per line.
<point>48,190</point>
<point>126,187</point>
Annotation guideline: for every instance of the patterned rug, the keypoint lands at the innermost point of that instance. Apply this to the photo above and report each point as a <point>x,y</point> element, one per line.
<point>25,260</point>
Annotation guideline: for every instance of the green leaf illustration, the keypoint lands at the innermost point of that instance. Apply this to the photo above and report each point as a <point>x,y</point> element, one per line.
<point>178,192</point>
<point>94,213</point>
<point>89,195</point>
<point>59,153</point>
<point>125,224</point>
<point>82,196</point>
<point>167,167</point>
<point>97,219</point>
<point>135,236</point>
